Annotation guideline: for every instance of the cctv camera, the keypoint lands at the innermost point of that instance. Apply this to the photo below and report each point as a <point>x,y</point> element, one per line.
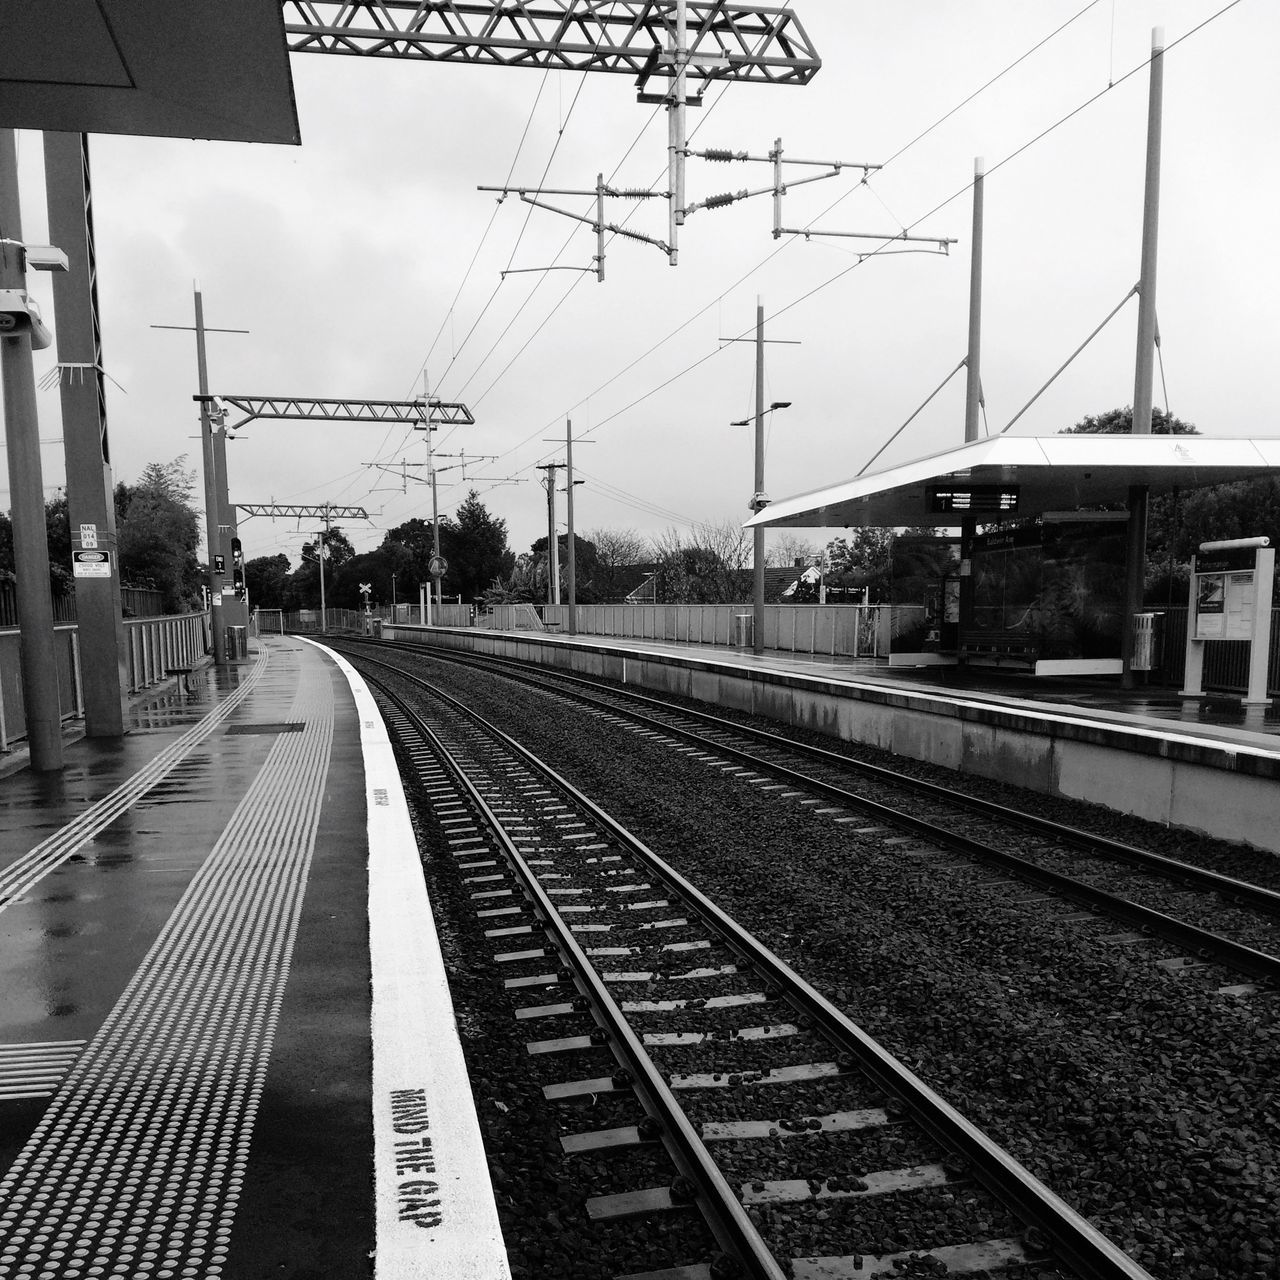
<point>19,314</point>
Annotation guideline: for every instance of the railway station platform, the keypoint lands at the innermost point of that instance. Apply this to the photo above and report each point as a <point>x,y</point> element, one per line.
<point>1208,765</point>
<point>219,978</point>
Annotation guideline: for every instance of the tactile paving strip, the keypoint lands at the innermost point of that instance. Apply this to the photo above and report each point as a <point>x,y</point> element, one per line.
<point>137,1166</point>
<point>22,874</point>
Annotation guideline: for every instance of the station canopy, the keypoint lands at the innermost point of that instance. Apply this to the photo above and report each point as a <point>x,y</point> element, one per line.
<point>1010,476</point>
<point>185,69</point>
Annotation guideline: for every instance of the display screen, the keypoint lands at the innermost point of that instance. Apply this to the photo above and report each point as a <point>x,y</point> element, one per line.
<point>975,499</point>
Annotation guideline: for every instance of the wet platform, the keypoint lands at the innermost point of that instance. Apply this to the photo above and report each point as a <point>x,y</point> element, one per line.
<point>218,979</point>
<point>1209,764</point>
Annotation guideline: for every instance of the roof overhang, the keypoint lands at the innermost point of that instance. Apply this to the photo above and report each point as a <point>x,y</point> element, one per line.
<point>193,69</point>
<point>1050,473</point>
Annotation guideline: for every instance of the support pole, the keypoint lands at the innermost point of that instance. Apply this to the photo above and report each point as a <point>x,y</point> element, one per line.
<point>757,552</point>
<point>211,505</point>
<point>571,572</point>
<point>435,533</point>
<point>553,543</point>
<point>324,546</point>
<point>600,228</point>
<point>973,362</point>
<point>1144,370</point>
<point>38,658</point>
<point>91,508</point>
<point>676,139</point>
<point>235,612</point>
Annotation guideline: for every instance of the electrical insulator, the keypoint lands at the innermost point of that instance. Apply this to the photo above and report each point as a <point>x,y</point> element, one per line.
<point>719,202</point>
<point>720,154</point>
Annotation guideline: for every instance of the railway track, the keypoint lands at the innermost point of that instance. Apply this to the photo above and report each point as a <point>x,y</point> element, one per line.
<point>1209,921</point>
<point>730,1084</point>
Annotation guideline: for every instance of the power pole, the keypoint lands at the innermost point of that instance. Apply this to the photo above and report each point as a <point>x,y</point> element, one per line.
<point>213,510</point>
<point>757,552</point>
<point>1144,371</point>
<point>572,571</point>
<point>553,549</point>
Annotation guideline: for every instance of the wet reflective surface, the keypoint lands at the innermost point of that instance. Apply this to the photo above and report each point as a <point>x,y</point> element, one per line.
<point>77,924</point>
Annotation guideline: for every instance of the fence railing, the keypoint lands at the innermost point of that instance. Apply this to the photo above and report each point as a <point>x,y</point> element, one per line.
<point>153,646</point>
<point>1226,662</point>
<point>837,630</point>
<point>136,602</point>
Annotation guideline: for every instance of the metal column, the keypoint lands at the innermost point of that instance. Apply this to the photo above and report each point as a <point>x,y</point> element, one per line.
<point>90,490</point>
<point>26,482</point>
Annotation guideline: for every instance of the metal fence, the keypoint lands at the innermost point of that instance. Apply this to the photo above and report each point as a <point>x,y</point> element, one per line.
<point>1226,662</point>
<point>140,602</point>
<point>153,646</point>
<point>843,630</point>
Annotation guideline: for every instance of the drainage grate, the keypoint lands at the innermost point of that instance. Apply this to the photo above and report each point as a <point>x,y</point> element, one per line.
<point>291,726</point>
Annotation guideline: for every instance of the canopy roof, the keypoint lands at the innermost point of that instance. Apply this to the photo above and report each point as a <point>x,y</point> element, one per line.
<point>192,69</point>
<point>1024,476</point>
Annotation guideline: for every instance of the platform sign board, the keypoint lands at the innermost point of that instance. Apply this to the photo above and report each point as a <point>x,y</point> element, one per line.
<point>1225,595</point>
<point>1231,591</point>
<point>91,564</point>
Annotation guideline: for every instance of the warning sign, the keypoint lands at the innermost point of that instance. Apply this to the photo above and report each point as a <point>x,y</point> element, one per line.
<point>91,564</point>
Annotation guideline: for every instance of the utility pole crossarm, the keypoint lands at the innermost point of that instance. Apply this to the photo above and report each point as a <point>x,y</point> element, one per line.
<point>411,412</point>
<point>761,43</point>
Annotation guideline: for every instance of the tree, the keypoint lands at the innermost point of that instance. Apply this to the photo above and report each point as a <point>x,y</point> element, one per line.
<point>1164,576</point>
<point>266,578</point>
<point>861,563</point>
<point>617,552</point>
<point>302,590</point>
<point>1120,421</point>
<point>57,538</point>
<point>518,586</point>
<point>586,566</point>
<point>157,533</point>
<point>409,547</point>
<point>707,566</point>
<point>789,549</point>
<point>475,545</point>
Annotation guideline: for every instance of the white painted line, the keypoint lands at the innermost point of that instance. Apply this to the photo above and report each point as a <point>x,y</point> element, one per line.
<point>435,1214</point>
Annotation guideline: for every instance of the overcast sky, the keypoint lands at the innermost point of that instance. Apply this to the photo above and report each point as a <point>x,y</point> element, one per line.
<point>366,258</point>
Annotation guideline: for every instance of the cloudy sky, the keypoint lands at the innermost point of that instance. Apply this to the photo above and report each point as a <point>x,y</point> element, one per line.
<point>366,260</point>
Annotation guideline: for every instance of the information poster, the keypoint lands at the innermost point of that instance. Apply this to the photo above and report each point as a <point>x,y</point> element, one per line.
<point>1224,598</point>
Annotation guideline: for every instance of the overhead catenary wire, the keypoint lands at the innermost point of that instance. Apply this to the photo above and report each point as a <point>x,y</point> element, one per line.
<point>786,244</point>
<point>818,288</point>
<point>810,293</point>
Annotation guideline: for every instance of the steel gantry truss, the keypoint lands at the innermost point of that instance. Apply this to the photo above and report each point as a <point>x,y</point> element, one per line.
<point>726,41</point>
<point>425,413</point>
<point>287,511</point>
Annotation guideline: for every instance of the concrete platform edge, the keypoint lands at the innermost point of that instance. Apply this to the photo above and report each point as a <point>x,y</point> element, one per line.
<point>435,1213</point>
<point>1224,790</point>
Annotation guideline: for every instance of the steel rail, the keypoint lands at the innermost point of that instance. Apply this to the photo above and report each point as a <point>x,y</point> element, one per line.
<point>1073,1237</point>
<point>727,1219</point>
<point>1238,892</point>
<point>1248,960</point>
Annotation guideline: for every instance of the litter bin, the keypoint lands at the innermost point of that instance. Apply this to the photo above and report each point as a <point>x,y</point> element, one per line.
<point>742,628</point>
<point>1145,653</point>
<point>237,643</point>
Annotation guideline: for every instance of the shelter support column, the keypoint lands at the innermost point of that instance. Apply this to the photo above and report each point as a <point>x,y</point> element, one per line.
<point>26,483</point>
<point>90,491</point>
